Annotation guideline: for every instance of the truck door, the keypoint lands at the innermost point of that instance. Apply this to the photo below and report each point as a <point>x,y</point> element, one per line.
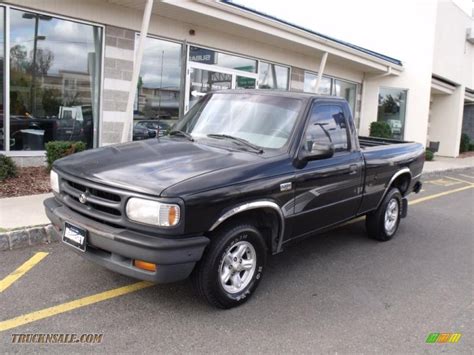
<point>328,190</point>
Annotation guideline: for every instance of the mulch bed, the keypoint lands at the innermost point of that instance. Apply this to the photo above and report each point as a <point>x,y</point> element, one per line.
<point>466,155</point>
<point>30,181</point>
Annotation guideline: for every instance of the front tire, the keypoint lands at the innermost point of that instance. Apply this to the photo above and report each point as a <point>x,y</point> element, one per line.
<point>382,224</point>
<point>231,267</point>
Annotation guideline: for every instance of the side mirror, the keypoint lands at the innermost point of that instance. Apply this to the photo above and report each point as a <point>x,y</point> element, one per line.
<point>320,151</point>
<point>315,151</point>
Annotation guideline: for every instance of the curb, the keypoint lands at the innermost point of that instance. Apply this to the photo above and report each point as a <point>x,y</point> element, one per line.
<point>25,237</point>
<point>437,172</point>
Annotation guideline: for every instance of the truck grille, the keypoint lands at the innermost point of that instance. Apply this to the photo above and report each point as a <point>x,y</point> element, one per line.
<point>93,200</point>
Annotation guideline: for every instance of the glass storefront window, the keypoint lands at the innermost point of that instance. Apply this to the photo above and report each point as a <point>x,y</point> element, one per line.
<point>243,82</point>
<point>209,56</point>
<point>203,81</point>
<point>2,58</point>
<point>54,80</point>
<point>158,91</point>
<point>346,90</point>
<point>310,80</point>
<point>392,109</point>
<point>272,76</point>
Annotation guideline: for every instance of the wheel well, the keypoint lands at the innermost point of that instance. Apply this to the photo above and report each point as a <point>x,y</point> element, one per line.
<point>402,183</point>
<point>266,220</point>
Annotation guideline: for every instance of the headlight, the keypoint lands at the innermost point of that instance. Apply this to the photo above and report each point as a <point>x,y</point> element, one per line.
<point>54,180</point>
<point>153,212</point>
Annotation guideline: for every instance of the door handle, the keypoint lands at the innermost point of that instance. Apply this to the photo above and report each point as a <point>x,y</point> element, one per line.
<point>353,169</point>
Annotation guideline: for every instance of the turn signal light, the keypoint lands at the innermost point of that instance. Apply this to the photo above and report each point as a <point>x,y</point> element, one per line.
<point>140,264</point>
<point>173,215</point>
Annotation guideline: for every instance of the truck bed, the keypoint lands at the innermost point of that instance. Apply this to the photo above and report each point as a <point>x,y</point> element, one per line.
<point>366,142</point>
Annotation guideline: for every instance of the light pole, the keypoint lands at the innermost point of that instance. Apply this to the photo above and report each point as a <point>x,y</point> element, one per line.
<point>36,17</point>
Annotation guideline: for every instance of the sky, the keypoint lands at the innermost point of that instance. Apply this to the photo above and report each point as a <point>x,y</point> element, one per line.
<point>338,18</point>
<point>70,42</point>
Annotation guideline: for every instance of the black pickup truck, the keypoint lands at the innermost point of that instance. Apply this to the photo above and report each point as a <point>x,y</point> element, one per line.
<point>241,176</point>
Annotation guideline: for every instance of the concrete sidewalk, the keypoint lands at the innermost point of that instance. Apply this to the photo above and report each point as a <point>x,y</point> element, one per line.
<point>23,211</point>
<point>444,164</point>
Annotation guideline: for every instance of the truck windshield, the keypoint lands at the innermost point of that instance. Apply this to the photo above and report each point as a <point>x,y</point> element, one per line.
<point>263,120</point>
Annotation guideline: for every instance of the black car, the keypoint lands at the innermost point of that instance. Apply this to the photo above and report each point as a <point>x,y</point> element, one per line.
<point>140,133</point>
<point>154,127</point>
<point>242,176</point>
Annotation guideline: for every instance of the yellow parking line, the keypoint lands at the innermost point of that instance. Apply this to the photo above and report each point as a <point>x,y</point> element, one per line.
<point>430,197</point>
<point>23,269</point>
<point>464,181</point>
<point>69,306</point>
<point>418,200</point>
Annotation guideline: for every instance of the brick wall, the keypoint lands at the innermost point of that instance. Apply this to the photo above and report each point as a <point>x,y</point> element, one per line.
<point>118,67</point>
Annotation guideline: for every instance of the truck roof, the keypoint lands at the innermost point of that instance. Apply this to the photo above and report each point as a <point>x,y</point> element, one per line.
<point>293,94</point>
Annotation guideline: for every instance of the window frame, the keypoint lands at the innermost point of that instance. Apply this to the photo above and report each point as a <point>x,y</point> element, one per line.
<point>183,63</point>
<point>331,78</point>
<point>6,84</point>
<point>351,146</point>
<point>407,91</point>
<point>288,82</point>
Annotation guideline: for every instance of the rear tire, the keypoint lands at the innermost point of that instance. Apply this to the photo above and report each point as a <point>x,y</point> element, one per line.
<point>382,224</point>
<point>231,267</point>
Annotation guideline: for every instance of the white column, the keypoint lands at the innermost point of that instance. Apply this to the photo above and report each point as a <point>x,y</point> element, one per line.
<point>322,66</point>
<point>127,127</point>
<point>446,121</point>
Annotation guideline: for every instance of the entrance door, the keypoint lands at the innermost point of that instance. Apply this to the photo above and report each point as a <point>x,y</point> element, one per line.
<point>203,78</point>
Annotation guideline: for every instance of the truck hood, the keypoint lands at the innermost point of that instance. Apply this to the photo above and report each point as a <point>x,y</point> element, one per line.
<point>153,165</point>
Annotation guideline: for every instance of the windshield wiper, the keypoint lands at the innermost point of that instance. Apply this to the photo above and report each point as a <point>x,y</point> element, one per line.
<point>178,132</point>
<point>237,139</point>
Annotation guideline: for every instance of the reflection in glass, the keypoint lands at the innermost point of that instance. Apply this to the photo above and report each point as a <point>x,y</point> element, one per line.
<point>347,91</point>
<point>273,76</point>
<point>54,80</point>
<point>243,82</point>
<point>327,125</point>
<point>203,81</point>
<point>392,108</point>
<point>2,57</point>
<point>266,121</point>
<point>158,92</point>
<point>310,80</point>
<point>209,56</point>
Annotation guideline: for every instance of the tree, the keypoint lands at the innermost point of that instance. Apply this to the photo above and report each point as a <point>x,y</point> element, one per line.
<point>18,59</point>
<point>44,60</point>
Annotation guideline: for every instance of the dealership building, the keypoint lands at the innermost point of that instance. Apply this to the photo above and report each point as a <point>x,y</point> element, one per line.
<point>68,68</point>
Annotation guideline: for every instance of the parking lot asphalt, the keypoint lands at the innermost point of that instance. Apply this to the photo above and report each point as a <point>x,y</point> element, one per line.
<point>335,292</point>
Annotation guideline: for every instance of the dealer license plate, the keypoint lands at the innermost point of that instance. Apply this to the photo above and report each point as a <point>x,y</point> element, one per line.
<point>75,236</point>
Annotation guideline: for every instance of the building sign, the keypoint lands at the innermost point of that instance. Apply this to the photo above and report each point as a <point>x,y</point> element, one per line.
<point>245,83</point>
<point>201,55</point>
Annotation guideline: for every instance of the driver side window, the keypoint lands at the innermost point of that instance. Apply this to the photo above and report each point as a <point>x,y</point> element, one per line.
<point>327,124</point>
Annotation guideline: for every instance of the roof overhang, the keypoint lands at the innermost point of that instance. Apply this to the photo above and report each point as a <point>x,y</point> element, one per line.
<point>469,96</point>
<point>439,87</point>
<point>223,17</point>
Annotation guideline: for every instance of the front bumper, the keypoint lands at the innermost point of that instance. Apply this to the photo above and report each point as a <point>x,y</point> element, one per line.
<point>115,248</point>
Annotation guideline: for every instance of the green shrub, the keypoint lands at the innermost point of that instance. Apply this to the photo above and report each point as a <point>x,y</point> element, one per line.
<point>59,149</point>
<point>380,129</point>
<point>471,147</point>
<point>8,168</point>
<point>465,140</point>
<point>429,155</point>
